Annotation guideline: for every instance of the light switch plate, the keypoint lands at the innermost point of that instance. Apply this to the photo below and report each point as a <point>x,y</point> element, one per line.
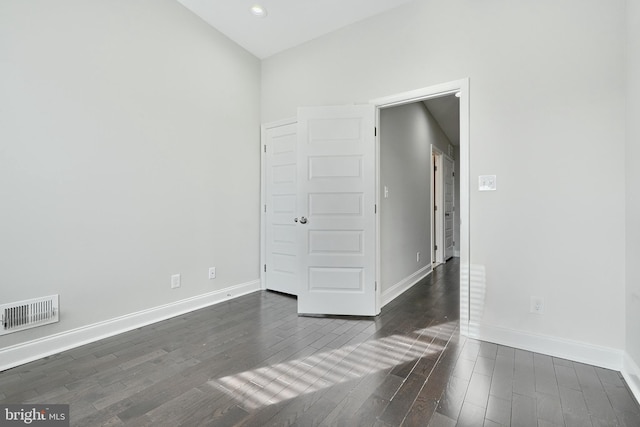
<point>175,281</point>
<point>487,183</point>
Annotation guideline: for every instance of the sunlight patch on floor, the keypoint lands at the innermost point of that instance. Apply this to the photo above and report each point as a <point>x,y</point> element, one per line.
<point>276,383</point>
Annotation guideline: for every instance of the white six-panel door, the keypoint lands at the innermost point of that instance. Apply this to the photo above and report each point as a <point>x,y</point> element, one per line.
<point>281,247</point>
<point>335,210</point>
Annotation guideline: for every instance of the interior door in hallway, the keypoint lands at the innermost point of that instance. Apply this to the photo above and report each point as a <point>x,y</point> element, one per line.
<point>449,206</point>
<point>281,263</point>
<point>336,210</point>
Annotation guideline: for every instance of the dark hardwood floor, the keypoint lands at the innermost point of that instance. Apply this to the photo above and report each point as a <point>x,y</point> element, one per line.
<point>253,362</point>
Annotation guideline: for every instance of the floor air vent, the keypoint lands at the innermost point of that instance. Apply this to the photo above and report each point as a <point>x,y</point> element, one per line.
<point>28,314</point>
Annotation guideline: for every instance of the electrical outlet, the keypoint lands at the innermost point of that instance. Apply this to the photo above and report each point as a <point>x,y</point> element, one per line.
<point>212,272</point>
<point>175,281</point>
<point>417,256</point>
<point>537,305</point>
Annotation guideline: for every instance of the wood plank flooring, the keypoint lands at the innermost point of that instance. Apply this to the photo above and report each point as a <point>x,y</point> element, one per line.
<point>253,362</point>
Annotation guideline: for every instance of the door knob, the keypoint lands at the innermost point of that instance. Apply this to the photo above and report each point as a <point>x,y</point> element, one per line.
<point>295,219</point>
<point>303,220</point>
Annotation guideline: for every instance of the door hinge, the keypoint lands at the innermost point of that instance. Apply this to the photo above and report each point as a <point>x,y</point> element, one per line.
<point>435,208</point>
<point>435,168</point>
<point>375,131</point>
<point>376,286</point>
<point>454,243</point>
<point>453,173</point>
<point>265,268</point>
<point>435,247</point>
<point>265,208</point>
<point>375,209</point>
<point>265,148</point>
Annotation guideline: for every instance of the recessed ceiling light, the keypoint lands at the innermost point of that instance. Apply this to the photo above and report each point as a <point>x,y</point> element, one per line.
<point>258,11</point>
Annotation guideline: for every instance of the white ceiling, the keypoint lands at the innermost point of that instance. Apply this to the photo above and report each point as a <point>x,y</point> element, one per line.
<point>446,111</point>
<point>288,22</point>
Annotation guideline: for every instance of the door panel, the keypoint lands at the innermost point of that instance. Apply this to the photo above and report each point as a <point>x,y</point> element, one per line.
<point>336,202</point>
<point>336,242</point>
<point>281,206</point>
<point>449,188</point>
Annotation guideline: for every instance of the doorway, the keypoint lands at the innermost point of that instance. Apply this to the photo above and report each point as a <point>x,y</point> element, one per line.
<point>461,217</point>
<point>443,189</point>
<point>437,203</point>
<point>319,210</point>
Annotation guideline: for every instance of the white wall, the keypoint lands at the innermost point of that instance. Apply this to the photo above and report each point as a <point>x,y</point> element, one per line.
<point>633,184</point>
<point>406,135</point>
<point>547,117</point>
<point>129,134</point>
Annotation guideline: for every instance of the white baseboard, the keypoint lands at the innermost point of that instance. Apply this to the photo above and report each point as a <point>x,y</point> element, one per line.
<point>402,286</point>
<point>46,346</point>
<point>577,351</point>
<point>631,374</point>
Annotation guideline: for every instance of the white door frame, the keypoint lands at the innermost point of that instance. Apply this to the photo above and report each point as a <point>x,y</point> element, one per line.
<point>452,87</point>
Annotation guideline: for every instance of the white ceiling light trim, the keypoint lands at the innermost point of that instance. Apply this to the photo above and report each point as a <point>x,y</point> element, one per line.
<point>258,11</point>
